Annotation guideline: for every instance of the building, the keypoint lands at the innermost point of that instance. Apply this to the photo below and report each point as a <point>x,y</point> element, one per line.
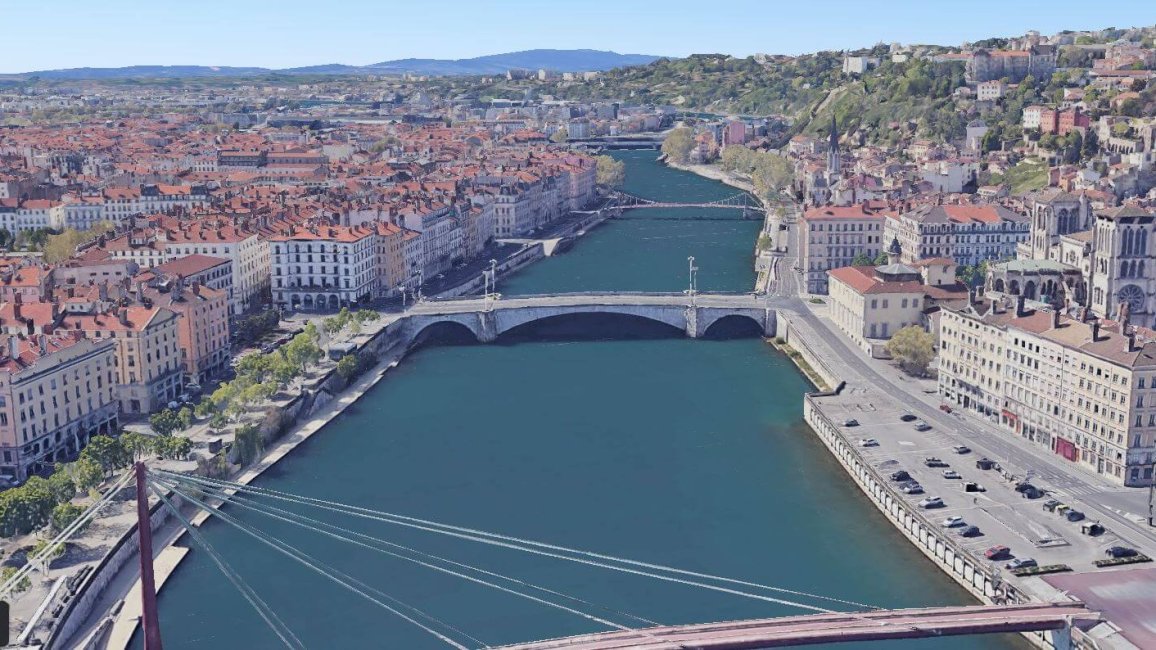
<point>990,91</point>
<point>56,392</point>
<point>1038,61</point>
<point>871,303</point>
<point>967,234</point>
<point>323,267</point>
<point>1124,267</point>
<point>202,326</point>
<point>832,237</point>
<point>1082,389</point>
<point>1054,213</point>
<point>147,357</point>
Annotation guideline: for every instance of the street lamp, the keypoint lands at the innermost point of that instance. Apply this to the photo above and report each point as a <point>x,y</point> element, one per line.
<point>692,273</point>
<point>420,280</point>
<point>401,288</point>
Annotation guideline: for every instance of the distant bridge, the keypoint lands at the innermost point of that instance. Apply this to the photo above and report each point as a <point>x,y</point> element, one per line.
<point>489,318</point>
<point>741,201</point>
<point>836,628</point>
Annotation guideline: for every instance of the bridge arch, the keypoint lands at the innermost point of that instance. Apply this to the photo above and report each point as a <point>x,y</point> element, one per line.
<point>509,319</point>
<point>731,326</point>
<point>579,325</point>
<point>449,329</point>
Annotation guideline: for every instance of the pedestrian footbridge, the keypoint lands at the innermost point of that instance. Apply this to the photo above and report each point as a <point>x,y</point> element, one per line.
<point>490,317</point>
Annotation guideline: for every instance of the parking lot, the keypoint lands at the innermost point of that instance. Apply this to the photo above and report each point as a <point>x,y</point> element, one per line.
<point>1003,515</point>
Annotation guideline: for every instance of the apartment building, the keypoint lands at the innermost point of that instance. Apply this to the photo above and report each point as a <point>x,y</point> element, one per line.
<point>147,357</point>
<point>967,234</point>
<point>1082,389</point>
<point>56,392</point>
<point>323,267</point>
<point>832,237</point>
<point>202,324</point>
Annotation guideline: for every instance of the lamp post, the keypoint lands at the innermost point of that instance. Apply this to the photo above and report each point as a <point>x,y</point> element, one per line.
<point>420,280</point>
<point>401,288</point>
<point>692,284</point>
<point>490,277</point>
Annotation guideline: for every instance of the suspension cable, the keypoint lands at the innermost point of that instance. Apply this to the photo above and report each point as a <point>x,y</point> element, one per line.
<point>534,547</point>
<point>265,509</point>
<point>325,570</point>
<point>456,574</point>
<point>263,610</point>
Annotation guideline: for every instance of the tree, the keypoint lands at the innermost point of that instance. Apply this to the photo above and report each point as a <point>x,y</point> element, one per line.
<point>185,415</point>
<point>559,136</point>
<point>303,351</point>
<point>174,447</point>
<point>64,514</point>
<point>678,145</point>
<point>861,260</point>
<point>610,172</point>
<point>108,453</point>
<point>61,485</point>
<point>913,348</point>
<point>138,444</point>
<point>165,422</point>
<point>347,368</point>
<point>86,473</point>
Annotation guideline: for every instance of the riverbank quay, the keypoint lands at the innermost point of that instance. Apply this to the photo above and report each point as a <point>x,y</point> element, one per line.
<point>1003,516</point>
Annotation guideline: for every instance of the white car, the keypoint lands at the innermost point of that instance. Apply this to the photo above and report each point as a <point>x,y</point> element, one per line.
<point>952,522</point>
<point>920,425</point>
<point>868,442</point>
<point>931,502</point>
<point>950,473</point>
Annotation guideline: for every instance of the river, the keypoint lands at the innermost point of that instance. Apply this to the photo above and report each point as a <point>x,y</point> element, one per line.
<point>649,446</point>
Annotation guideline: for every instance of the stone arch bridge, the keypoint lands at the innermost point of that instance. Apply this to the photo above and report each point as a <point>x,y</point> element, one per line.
<point>489,318</point>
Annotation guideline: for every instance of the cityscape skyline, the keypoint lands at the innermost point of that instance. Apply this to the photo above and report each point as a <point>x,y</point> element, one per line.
<point>122,33</point>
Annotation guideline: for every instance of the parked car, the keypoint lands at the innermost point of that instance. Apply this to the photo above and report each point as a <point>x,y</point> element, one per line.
<point>908,417</point>
<point>920,425</point>
<point>952,522</point>
<point>868,442</point>
<point>1051,504</point>
<point>1031,492</point>
<point>950,473</point>
<point>900,475</point>
<point>1021,563</point>
<point>1092,528</point>
<point>972,486</point>
<point>997,553</point>
<point>931,502</point>
<point>911,487</point>
<point>946,408</point>
<point>969,531</point>
<point>984,463</point>
<point>932,461</point>
<point>961,449</point>
<point>1121,551</point>
<point>851,423</point>
<point>1074,515</point>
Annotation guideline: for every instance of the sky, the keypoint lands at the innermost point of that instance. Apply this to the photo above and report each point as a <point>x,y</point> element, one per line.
<point>51,34</point>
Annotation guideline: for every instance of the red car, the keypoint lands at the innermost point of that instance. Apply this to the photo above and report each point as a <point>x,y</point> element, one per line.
<point>997,553</point>
<point>946,408</point>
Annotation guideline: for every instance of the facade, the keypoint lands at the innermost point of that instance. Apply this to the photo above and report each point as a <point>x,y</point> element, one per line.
<point>1038,61</point>
<point>147,356</point>
<point>56,392</point>
<point>202,326</point>
<point>988,91</point>
<point>1081,389</point>
<point>323,267</point>
<point>1124,275</point>
<point>1054,213</point>
<point>967,234</point>
<point>832,237</point>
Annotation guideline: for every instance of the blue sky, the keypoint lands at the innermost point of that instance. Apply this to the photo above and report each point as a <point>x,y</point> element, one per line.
<point>47,34</point>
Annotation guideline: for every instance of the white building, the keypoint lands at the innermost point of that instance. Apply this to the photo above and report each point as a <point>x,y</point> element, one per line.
<point>323,267</point>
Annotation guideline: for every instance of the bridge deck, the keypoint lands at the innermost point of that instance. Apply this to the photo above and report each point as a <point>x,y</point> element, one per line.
<point>831,628</point>
<point>702,300</point>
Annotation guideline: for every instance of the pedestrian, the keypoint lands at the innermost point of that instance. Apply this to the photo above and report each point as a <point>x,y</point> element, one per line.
<point>975,501</point>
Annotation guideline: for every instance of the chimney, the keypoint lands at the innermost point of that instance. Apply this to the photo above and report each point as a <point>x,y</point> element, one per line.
<point>1095,331</point>
<point>122,314</point>
<point>42,341</point>
<point>1020,311</point>
<point>1055,318</point>
<point>1130,341</point>
<point>13,347</point>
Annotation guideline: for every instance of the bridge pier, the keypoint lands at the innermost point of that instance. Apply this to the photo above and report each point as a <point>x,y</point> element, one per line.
<point>1061,639</point>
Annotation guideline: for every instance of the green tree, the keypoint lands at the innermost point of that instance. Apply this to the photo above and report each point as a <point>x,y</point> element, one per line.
<point>678,145</point>
<point>64,514</point>
<point>913,348</point>
<point>610,172</point>
<point>185,415</point>
<point>165,422</point>
<point>559,136</point>
<point>347,368</point>
<point>61,485</point>
<point>861,260</point>
<point>108,453</point>
<point>86,473</point>
<point>138,444</point>
<point>174,447</point>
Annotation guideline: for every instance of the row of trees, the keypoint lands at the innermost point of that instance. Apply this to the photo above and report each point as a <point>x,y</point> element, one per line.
<point>769,172</point>
<point>678,145</point>
<point>252,328</point>
<point>62,246</point>
<point>345,320</point>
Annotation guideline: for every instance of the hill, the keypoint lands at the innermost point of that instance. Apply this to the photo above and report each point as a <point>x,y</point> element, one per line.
<point>557,60</point>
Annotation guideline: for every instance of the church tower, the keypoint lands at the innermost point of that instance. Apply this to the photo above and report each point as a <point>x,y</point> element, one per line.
<point>834,159</point>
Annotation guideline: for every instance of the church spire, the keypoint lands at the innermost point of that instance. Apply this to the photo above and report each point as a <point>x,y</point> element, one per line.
<point>834,159</point>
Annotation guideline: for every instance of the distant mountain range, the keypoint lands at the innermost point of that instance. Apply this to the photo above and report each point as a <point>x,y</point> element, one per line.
<point>557,60</point>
